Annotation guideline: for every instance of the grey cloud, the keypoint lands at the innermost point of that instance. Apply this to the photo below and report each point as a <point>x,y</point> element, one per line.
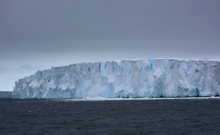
<point>23,68</point>
<point>181,28</point>
<point>27,68</point>
<point>72,25</point>
<point>3,69</point>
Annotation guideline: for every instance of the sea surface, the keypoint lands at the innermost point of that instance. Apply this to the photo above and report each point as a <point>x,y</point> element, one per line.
<point>120,117</point>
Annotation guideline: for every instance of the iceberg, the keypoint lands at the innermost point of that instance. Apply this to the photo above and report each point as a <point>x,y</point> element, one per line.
<point>146,78</point>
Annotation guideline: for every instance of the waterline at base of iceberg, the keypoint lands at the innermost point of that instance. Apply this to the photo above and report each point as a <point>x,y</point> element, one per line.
<point>124,99</point>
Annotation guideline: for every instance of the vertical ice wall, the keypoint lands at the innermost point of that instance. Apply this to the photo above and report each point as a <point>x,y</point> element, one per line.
<point>125,78</point>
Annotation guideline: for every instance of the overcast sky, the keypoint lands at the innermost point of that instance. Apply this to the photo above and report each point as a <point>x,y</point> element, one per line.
<point>39,34</point>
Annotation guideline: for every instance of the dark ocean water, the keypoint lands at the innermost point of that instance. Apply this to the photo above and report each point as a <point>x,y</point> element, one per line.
<point>200,116</point>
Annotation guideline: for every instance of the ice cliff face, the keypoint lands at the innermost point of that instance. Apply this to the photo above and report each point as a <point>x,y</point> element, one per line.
<point>125,78</point>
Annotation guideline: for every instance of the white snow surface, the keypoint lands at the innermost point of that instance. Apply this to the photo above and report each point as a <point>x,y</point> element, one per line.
<point>146,78</point>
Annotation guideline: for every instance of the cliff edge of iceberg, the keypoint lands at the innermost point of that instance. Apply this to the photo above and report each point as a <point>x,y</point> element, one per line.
<point>152,78</point>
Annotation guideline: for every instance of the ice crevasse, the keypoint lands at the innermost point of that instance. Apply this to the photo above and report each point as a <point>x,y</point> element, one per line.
<point>151,78</point>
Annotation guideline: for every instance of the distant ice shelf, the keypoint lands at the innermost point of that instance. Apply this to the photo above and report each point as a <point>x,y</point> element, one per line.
<point>5,94</point>
<point>147,78</point>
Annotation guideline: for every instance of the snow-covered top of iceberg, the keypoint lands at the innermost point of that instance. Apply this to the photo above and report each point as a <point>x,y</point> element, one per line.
<point>118,61</point>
